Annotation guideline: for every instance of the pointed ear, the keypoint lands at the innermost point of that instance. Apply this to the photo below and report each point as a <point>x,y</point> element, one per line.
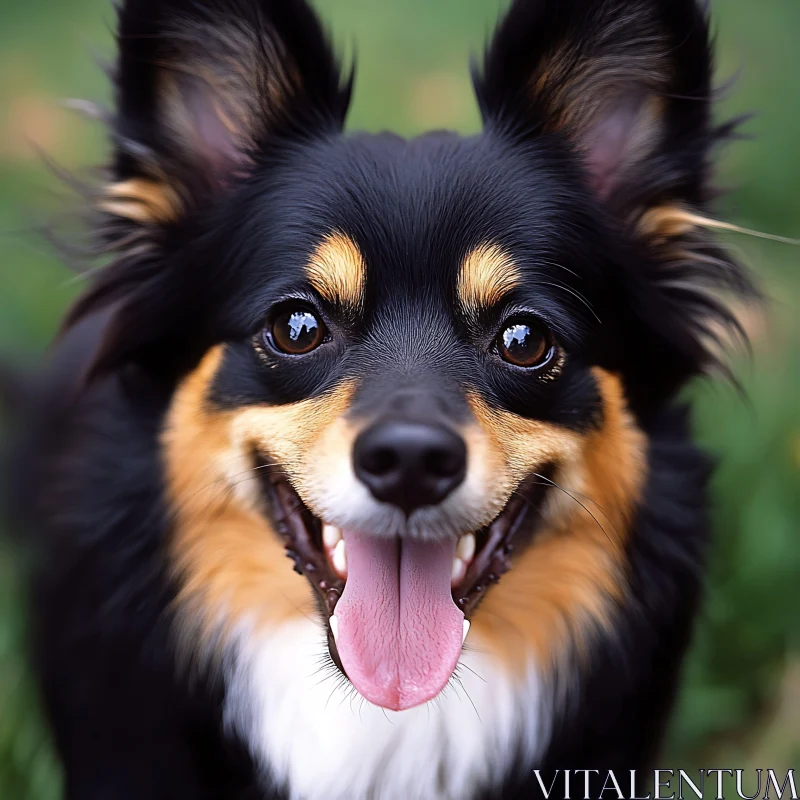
<point>206,88</point>
<point>626,86</point>
<point>627,82</point>
<point>207,91</point>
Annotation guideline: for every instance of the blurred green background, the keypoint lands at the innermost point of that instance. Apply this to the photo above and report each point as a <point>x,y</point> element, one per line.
<point>740,705</point>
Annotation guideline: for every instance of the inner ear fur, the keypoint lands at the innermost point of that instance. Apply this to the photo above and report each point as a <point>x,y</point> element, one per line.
<point>626,82</point>
<point>207,89</point>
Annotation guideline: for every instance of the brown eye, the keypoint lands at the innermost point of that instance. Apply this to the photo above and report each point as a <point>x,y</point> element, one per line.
<point>297,331</point>
<point>524,343</point>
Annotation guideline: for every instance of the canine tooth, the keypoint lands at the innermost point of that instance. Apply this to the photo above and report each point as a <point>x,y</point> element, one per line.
<point>331,536</point>
<point>466,630</point>
<point>459,571</point>
<point>339,558</point>
<point>334,623</point>
<point>466,547</point>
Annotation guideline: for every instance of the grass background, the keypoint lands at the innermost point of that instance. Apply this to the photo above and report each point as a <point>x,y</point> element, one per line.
<point>740,704</point>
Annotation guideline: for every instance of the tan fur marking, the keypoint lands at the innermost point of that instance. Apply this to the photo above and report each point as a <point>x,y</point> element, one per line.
<point>487,274</point>
<point>141,200</point>
<point>566,583</point>
<point>662,223</point>
<point>338,272</point>
<point>670,222</point>
<point>679,237</point>
<point>519,446</point>
<point>231,565</point>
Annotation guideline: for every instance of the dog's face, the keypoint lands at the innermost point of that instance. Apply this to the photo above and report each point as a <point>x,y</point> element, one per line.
<point>412,378</point>
<point>420,367</point>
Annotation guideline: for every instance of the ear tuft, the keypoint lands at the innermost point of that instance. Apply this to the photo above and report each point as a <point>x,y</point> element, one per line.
<point>143,201</point>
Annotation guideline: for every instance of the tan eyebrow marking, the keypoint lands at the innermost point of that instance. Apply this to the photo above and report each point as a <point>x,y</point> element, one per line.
<point>488,273</point>
<point>338,272</point>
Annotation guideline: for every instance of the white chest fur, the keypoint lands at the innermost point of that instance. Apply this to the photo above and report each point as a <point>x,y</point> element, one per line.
<point>321,741</point>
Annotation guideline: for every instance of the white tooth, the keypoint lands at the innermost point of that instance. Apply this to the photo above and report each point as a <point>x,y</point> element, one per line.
<point>463,638</point>
<point>331,536</point>
<point>458,572</point>
<point>466,547</point>
<point>334,623</point>
<point>339,558</point>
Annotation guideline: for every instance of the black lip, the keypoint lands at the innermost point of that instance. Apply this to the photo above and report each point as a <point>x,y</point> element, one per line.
<point>511,531</point>
<point>301,533</point>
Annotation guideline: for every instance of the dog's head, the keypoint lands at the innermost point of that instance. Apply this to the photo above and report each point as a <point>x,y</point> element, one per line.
<point>423,368</point>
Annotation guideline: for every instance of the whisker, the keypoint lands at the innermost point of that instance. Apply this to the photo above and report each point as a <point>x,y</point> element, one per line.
<point>227,485</point>
<point>225,478</point>
<point>301,612</point>
<point>338,685</point>
<point>330,673</point>
<point>468,668</point>
<point>597,505</point>
<point>574,293</point>
<point>707,222</point>
<point>588,499</point>
<point>561,266</point>
<point>575,499</point>
<point>455,677</point>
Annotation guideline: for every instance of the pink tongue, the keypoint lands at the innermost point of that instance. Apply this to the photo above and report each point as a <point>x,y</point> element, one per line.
<point>399,631</point>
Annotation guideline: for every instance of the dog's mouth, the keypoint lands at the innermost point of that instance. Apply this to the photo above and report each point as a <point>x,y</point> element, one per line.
<point>398,609</point>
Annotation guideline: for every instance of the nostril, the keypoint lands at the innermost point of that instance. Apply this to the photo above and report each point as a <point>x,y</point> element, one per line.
<point>409,464</point>
<point>380,461</point>
<point>443,463</point>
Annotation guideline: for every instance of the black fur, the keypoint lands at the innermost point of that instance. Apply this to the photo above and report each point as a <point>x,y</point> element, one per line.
<point>252,208</point>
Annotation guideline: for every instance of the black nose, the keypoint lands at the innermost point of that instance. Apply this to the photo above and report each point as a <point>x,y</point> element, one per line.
<point>410,464</point>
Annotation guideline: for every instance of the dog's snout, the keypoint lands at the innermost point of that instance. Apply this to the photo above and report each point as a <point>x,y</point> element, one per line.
<point>410,465</point>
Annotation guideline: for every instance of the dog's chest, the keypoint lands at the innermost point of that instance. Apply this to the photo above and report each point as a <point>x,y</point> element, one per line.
<point>318,740</point>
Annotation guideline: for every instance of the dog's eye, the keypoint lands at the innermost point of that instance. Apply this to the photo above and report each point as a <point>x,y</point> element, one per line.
<point>524,343</point>
<point>296,331</point>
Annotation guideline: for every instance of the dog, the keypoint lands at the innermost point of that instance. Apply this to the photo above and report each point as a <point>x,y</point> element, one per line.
<point>442,375</point>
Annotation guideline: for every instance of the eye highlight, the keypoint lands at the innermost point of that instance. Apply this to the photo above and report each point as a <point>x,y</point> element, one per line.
<point>295,331</point>
<point>525,343</point>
